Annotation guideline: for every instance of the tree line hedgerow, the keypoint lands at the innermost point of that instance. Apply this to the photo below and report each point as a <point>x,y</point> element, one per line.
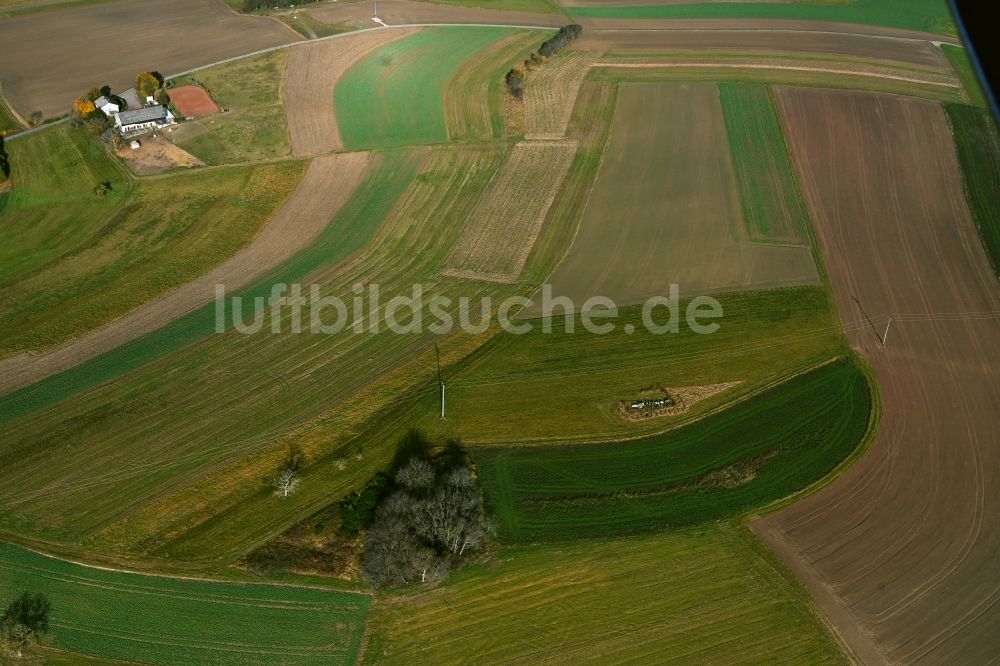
<point>515,77</point>
<point>255,5</point>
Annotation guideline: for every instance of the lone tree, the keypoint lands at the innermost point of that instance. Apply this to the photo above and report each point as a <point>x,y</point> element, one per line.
<point>433,519</point>
<point>290,471</point>
<point>515,82</point>
<point>24,621</point>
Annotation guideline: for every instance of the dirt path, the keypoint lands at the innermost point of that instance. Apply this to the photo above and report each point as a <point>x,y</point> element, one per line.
<point>901,551</point>
<point>310,75</point>
<point>400,12</point>
<point>326,186</point>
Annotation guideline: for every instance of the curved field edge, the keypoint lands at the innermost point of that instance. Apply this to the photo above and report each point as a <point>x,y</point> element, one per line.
<point>346,235</point>
<point>755,452</point>
<point>172,620</point>
<point>923,15</point>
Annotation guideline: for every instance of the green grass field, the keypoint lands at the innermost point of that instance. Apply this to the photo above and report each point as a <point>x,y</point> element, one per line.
<point>394,96</point>
<point>52,209</point>
<point>924,15</point>
<point>960,62</point>
<point>253,128</point>
<point>168,231</point>
<point>772,207</point>
<point>172,621</point>
<point>755,452</point>
<point>710,595</point>
<point>978,145</point>
<point>568,386</point>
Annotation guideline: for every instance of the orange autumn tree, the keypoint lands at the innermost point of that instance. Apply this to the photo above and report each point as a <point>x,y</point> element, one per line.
<point>146,84</point>
<point>84,107</point>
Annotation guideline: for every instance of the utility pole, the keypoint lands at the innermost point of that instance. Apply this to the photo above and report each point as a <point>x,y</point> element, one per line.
<point>886,334</point>
<point>437,355</point>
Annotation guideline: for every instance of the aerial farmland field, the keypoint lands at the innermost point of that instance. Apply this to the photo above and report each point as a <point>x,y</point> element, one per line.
<point>526,331</point>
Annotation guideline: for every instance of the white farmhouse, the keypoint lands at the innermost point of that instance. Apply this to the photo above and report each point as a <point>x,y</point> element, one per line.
<point>106,106</point>
<point>142,120</point>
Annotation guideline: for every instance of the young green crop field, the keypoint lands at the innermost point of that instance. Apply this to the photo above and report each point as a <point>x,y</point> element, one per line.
<point>160,620</point>
<point>696,596</point>
<point>253,125</point>
<point>924,15</point>
<point>168,231</point>
<point>978,145</point>
<point>959,59</point>
<point>52,208</point>
<point>394,96</point>
<point>772,206</point>
<point>755,452</point>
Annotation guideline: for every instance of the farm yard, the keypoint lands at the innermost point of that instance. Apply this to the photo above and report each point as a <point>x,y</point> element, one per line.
<point>811,485</point>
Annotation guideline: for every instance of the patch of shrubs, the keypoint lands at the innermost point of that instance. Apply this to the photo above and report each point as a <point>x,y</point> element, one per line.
<point>256,5</point>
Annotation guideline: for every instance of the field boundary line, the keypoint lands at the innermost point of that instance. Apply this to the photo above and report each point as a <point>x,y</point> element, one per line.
<point>940,39</point>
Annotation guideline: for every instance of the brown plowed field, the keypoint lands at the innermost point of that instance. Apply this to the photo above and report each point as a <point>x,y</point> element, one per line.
<point>51,58</point>
<point>311,72</point>
<point>901,551</point>
<point>397,12</point>
<point>665,208</point>
<point>326,186</point>
<point>922,54</point>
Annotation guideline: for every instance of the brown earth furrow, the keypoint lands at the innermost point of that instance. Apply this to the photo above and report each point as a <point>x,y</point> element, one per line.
<point>311,72</point>
<point>900,551</point>
<point>326,186</point>
<point>401,12</point>
<point>51,58</point>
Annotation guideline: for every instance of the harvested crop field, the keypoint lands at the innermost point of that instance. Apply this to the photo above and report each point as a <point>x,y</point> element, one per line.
<point>53,57</point>
<point>502,230</point>
<point>311,73</point>
<point>193,101</point>
<point>159,620</point>
<point>395,12</point>
<point>326,186</point>
<point>691,597</point>
<point>899,551</point>
<point>858,46</point>
<point>665,208</point>
<point>550,92</point>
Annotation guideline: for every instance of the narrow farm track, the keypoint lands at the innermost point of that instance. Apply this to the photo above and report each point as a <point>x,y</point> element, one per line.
<point>311,73</point>
<point>901,551</point>
<point>326,186</point>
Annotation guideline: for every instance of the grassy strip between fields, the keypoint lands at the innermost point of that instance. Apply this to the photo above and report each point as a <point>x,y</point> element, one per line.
<point>344,236</point>
<point>394,96</point>
<point>978,144</point>
<point>772,208</point>
<point>173,621</point>
<point>962,65</point>
<point>252,127</point>
<point>925,15</point>
<point>708,595</point>
<point>537,6</point>
<point>750,454</point>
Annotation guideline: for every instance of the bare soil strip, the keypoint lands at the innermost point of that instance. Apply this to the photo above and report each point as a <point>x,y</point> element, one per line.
<point>51,58</point>
<point>550,92</point>
<point>900,551</point>
<point>917,53</point>
<point>399,12</point>
<point>311,72</point>
<point>326,186</point>
<point>501,232</point>
<point>852,71</point>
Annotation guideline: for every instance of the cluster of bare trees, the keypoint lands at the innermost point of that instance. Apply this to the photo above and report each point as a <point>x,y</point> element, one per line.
<point>434,518</point>
<point>515,78</point>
